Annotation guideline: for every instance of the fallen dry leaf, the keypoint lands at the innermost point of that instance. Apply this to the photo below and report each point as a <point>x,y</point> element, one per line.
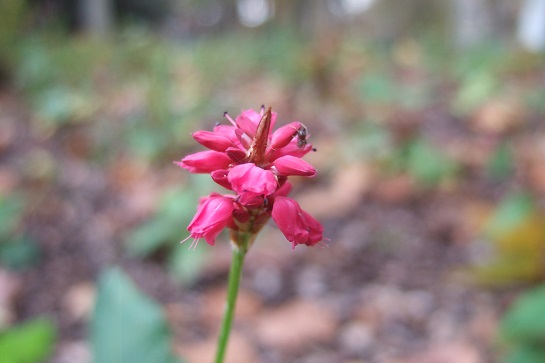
<point>79,300</point>
<point>342,195</point>
<point>456,352</point>
<point>296,324</point>
<point>498,116</point>
<point>397,189</point>
<point>248,304</point>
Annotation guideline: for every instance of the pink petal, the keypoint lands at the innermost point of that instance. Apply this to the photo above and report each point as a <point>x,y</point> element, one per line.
<point>205,162</point>
<point>248,178</point>
<point>297,225</point>
<point>249,119</point>
<point>284,135</point>
<point>243,138</point>
<point>245,122</point>
<point>236,155</point>
<point>290,149</point>
<point>315,229</point>
<point>291,165</point>
<point>227,131</point>
<point>220,177</point>
<point>212,140</point>
<point>213,215</point>
<point>283,190</point>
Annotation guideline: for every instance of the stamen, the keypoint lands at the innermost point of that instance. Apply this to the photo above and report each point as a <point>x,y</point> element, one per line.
<point>262,110</point>
<point>188,237</point>
<point>322,244</point>
<point>194,244</point>
<point>226,115</point>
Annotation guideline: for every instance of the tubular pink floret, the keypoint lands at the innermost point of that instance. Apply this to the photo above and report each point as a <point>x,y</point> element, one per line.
<point>205,162</point>
<point>290,165</point>
<point>282,137</point>
<point>298,226</point>
<point>250,181</point>
<point>212,140</point>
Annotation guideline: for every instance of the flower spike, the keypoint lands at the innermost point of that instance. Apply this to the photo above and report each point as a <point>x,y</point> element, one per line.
<point>247,158</point>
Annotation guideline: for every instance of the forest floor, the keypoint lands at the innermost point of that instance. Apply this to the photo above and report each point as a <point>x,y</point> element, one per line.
<point>405,197</point>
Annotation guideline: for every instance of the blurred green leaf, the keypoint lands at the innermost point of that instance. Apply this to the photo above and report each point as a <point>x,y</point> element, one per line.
<point>523,328</point>
<point>12,19</point>
<point>185,264</point>
<point>525,354</point>
<point>475,88</point>
<point>176,209</point>
<point>31,342</point>
<point>127,326</point>
<point>534,99</point>
<point>500,165</point>
<point>427,164</point>
<point>516,234</point>
<point>524,322</point>
<point>377,87</point>
<point>167,228</point>
<point>60,104</point>
<point>370,140</point>
<point>510,213</point>
<point>11,212</point>
<point>19,253</point>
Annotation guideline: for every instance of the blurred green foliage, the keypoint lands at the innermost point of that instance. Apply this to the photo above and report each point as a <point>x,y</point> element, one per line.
<point>516,233</point>
<point>11,17</point>
<point>370,141</point>
<point>476,87</point>
<point>511,212</point>
<point>126,325</point>
<point>138,95</point>
<point>501,165</point>
<point>167,226</point>
<point>522,328</point>
<point>427,164</point>
<point>17,249</point>
<point>30,342</point>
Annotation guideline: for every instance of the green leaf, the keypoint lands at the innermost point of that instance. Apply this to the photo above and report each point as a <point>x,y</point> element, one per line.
<point>511,212</point>
<point>31,342</point>
<point>128,326</point>
<point>176,209</point>
<point>377,88</point>
<point>525,354</point>
<point>185,264</point>
<point>427,164</point>
<point>11,212</point>
<point>476,88</point>
<point>19,253</point>
<point>524,322</point>
<point>500,166</point>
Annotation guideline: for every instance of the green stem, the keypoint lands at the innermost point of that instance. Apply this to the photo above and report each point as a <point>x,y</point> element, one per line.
<point>239,251</point>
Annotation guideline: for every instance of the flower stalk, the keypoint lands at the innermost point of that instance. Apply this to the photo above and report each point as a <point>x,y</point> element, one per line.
<point>254,163</point>
<point>240,245</point>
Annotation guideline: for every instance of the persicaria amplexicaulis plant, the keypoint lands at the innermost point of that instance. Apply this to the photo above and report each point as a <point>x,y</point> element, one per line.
<point>246,158</point>
<point>253,162</point>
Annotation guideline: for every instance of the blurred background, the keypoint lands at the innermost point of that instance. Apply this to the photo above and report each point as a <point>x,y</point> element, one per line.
<point>428,118</point>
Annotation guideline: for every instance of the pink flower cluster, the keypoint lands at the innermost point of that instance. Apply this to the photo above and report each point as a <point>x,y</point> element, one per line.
<point>246,158</point>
